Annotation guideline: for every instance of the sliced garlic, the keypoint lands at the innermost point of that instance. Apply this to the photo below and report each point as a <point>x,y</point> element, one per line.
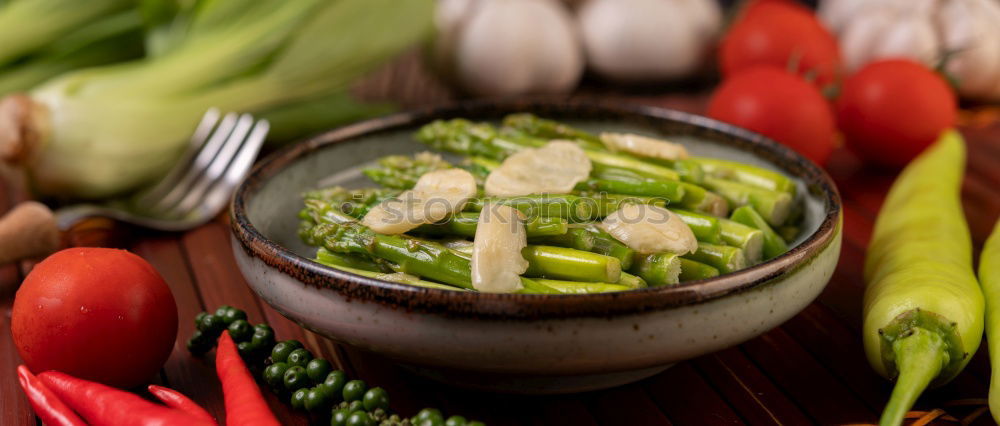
<point>650,229</point>
<point>644,146</point>
<point>552,169</point>
<point>496,253</point>
<point>436,195</point>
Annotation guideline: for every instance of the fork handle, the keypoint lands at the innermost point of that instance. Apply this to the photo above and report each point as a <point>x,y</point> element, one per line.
<point>29,230</point>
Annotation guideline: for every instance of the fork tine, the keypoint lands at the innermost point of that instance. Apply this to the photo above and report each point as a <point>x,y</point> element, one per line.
<point>219,194</point>
<point>201,162</point>
<point>198,139</point>
<point>217,168</point>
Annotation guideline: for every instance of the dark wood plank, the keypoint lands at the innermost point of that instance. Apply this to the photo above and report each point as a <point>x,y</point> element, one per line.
<point>408,394</point>
<point>626,405</point>
<point>688,399</point>
<point>748,390</point>
<point>195,377</point>
<point>805,380</point>
<point>839,349</point>
<point>14,408</point>
<point>563,410</point>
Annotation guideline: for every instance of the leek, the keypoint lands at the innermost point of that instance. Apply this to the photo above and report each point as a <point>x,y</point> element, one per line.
<point>110,39</point>
<point>102,131</point>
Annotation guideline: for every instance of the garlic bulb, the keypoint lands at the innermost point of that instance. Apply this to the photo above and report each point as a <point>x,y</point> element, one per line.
<point>963,33</point>
<point>508,47</point>
<point>648,40</point>
<point>552,169</point>
<point>497,263</point>
<point>436,195</point>
<point>650,229</point>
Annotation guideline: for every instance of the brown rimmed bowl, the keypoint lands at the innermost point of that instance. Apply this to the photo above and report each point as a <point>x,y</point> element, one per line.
<point>526,343</point>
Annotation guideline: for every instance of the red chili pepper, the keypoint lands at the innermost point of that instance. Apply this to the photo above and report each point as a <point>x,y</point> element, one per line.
<point>174,399</point>
<point>49,408</point>
<point>103,405</point>
<point>245,406</point>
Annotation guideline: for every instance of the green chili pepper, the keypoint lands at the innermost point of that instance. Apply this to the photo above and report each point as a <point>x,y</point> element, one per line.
<point>923,310</point>
<point>989,277</point>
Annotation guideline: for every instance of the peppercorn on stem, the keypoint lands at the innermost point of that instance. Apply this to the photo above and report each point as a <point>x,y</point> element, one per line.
<point>919,357</point>
<point>694,271</point>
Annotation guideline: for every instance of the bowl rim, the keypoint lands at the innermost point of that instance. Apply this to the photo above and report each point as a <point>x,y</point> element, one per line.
<point>535,306</point>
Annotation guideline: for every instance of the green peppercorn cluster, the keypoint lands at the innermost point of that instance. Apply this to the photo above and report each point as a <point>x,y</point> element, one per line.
<point>311,384</point>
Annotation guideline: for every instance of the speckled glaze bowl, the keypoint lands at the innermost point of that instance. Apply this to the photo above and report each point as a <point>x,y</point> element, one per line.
<point>526,343</point>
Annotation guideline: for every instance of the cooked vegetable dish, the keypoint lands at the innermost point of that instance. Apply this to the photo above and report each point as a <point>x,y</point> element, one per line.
<point>537,206</point>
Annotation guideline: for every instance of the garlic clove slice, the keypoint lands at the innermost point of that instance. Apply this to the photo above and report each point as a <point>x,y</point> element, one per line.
<point>644,146</point>
<point>552,169</point>
<point>650,229</point>
<point>436,195</point>
<point>496,253</point>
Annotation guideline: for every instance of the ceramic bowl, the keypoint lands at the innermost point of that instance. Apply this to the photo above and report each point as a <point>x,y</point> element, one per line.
<point>526,343</point>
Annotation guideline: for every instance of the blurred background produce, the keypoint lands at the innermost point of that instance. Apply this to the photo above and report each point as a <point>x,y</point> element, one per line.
<point>101,131</point>
<point>114,87</point>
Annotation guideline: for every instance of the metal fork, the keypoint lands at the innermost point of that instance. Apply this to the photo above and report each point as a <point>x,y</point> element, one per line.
<point>219,155</point>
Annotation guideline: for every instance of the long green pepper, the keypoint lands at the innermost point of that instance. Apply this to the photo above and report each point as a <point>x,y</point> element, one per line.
<point>989,278</point>
<point>923,310</point>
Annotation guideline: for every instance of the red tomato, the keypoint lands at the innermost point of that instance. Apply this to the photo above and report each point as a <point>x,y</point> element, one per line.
<point>95,313</point>
<point>891,110</point>
<point>779,105</point>
<point>780,34</point>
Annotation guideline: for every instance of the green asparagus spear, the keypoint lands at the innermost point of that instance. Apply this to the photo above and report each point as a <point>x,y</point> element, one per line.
<point>464,224</point>
<point>772,205</point>
<point>402,171</point>
<point>658,269</point>
<point>693,271</point>
<point>724,258</point>
<point>569,264</point>
<point>550,129</point>
<point>773,245</point>
<point>627,182</point>
<point>592,239</point>
<point>788,233</point>
<point>748,238</point>
<point>570,207</point>
<point>341,234</point>
<point>747,174</point>
<point>702,200</point>
<point>346,260</point>
<point>480,139</point>
<point>631,281</point>
<point>705,228</point>
<point>576,287</point>
<point>394,277</point>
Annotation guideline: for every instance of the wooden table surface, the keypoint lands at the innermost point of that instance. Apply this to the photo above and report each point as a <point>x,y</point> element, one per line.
<point>809,370</point>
